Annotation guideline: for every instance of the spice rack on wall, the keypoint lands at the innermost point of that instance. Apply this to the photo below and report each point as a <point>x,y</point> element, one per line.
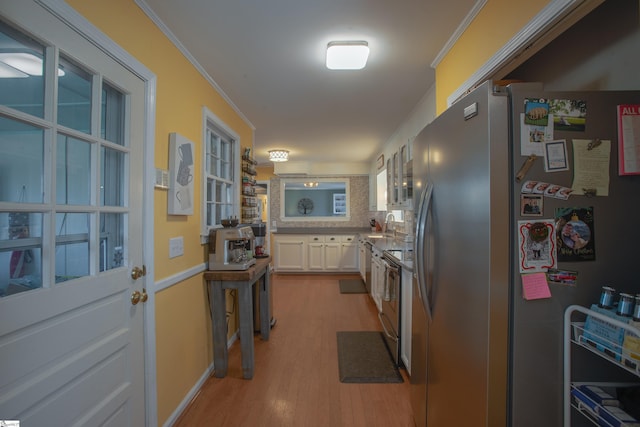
<point>249,199</point>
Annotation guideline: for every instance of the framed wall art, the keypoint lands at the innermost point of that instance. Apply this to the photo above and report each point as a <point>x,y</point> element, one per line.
<point>180,197</point>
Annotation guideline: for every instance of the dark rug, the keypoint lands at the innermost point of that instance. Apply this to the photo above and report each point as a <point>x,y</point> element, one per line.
<point>352,286</point>
<point>363,357</point>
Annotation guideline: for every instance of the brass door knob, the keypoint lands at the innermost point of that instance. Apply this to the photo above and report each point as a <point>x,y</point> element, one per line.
<point>135,297</point>
<point>145,296</point>
<point>138,272</point>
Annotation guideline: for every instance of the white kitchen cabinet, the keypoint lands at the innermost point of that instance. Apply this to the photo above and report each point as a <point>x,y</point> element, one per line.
<point>316,253</point>
<point>405,178</point>
<point>333,253</point>
<point>290,252</point>
<point>392,190</point>
<point>349,253</point>
<point>315,250</point>
<point>405,318</point>
<point>400,179</point>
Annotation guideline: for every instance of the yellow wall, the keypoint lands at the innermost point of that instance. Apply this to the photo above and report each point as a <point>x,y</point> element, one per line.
<point>492,28</point>
<point>183,330</point>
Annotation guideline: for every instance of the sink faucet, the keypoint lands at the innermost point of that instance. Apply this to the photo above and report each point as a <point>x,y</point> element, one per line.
<point>390,218</point>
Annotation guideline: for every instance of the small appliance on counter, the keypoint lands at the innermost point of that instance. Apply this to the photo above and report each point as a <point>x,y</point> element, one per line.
<point>259,231</point>
<point>231,248</point>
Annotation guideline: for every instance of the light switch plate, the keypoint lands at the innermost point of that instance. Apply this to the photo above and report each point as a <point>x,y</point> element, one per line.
<point>162,179</point>
<point>176,247</point>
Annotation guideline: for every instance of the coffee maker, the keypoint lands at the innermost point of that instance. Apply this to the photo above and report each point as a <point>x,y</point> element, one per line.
<point>259,230</point>
<point>231,248</point>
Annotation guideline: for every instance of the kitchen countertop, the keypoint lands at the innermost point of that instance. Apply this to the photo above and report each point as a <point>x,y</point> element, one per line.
<point>391,244</point>
<point>385,243</point>
<point>322,230</point>
<point>238,275</point>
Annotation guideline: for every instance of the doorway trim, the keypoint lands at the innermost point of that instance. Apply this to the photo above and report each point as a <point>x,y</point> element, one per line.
<point>552,20</point>
<point>267,228</point>
<point>73,19</point>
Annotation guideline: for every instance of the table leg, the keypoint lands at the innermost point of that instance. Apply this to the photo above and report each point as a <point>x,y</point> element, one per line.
<point>218,325</point>
<point>245,305</point>
<point>265,306</point>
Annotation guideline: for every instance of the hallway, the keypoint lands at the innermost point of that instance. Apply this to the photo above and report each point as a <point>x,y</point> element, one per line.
<point>296,381</point>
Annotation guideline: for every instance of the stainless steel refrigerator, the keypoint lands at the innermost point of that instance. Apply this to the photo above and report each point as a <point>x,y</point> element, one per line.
<point>481,354</point>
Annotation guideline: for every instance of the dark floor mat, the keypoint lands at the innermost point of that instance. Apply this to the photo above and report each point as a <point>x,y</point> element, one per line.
<point>363,357</point>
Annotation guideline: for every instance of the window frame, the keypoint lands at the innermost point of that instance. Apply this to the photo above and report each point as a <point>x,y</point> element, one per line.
<point>212,123</point>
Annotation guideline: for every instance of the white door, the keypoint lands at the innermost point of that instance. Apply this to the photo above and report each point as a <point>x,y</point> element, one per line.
<point>71,182</point>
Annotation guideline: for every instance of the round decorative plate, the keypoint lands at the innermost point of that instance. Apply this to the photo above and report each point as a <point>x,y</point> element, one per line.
<point>305,206</point>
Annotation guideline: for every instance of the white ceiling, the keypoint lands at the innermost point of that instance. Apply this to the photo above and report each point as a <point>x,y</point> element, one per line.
<point>268,58</point>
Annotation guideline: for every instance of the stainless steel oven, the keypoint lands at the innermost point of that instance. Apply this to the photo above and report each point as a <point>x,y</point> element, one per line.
<point>390,312</point>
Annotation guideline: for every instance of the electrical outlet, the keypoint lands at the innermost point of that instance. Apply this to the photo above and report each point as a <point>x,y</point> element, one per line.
<point>176,247</point>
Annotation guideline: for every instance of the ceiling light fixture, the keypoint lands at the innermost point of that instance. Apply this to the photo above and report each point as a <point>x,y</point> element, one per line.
<point>278,155</point>
<point>24,64</point>
<point>347,55</point>
<point>310,184</point>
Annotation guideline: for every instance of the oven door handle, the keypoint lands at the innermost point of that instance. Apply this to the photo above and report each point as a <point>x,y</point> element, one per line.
<point>392,269</point>
<point>384,327</point>
<point>391,280</point>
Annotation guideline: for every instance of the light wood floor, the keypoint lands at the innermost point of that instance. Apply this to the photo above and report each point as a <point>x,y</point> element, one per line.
<point>296,381</point>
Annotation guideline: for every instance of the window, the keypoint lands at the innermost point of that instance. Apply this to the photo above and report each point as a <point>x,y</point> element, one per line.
<point>63,206</point>
<point>221,177</point>
<point>326,200</point>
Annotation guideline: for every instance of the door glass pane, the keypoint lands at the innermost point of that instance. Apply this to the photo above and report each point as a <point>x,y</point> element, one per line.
<point>73,171</point>
<point>21,77</point>
<point>20,252</point>
<point>112,181</point>
<point>21,162</point>
<point>74,97</point>
<point>112,117</point>
<point>111,241</point>
<point>72,246</point>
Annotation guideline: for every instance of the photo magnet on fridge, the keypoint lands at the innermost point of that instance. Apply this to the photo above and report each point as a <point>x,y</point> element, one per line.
<point>537,249</point>
<point>575,234</point>
<point>531,204</point>
<point>536,112</point>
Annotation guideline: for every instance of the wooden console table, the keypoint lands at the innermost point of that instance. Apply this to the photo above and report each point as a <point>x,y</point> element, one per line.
<point>243,281</point>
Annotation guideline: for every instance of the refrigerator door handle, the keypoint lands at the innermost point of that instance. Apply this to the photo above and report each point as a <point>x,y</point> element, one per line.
<point>421,238</point>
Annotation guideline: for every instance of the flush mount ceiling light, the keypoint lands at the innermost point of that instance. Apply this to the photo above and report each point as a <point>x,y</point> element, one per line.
<point>310,184</point>
<point>23,64</point>
<point>347,55</point>
<point>278,155</point>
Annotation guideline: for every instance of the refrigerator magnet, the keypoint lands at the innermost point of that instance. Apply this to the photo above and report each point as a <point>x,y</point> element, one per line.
<point>536,112</point>
<point>528,186</point>
<point>532,136</point>
<point>555,156</point>
<point>536,245</point>
<point>531,205</point>
<point>575,234</point>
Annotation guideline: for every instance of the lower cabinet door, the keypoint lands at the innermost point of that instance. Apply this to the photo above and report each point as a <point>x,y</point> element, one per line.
<point>290,255</point>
